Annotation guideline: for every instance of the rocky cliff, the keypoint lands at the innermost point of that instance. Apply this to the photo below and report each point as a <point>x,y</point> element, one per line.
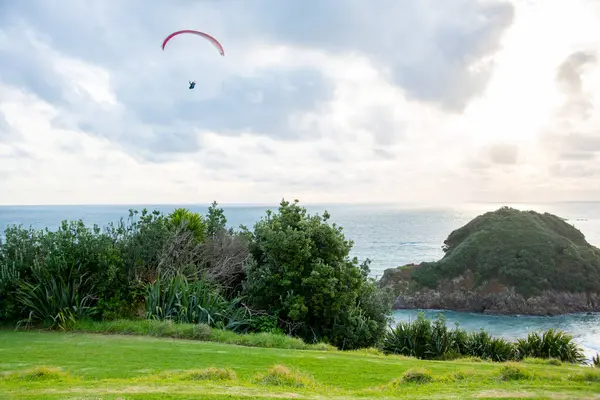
<point>505,262</point>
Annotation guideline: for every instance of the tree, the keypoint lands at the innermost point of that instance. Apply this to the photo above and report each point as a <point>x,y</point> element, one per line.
<point>216,222</point>
<point>301,271</point>
<point>189,220</point>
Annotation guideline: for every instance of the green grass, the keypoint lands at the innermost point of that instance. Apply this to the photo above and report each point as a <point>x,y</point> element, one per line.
<point>168,329</point>
<point>57,365</point>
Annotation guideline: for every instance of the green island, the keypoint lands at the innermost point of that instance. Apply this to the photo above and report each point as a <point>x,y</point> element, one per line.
<point>505,262</point>
<point>182,306</point>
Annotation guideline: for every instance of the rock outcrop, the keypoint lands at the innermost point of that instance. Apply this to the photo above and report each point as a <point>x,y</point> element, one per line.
<point>506,262</point>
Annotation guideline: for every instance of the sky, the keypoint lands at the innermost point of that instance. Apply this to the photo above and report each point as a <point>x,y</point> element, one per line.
<point>325,101</point>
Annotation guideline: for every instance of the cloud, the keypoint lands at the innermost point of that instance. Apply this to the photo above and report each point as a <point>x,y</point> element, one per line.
<point>506,154</point>
<point>574,135</point>
<point>388,100</point>
<point>569,80</point>
<point>569,72</point>
<point>437,52</point>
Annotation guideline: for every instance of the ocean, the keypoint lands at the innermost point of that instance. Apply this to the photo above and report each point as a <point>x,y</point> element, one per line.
<point>388,235</point>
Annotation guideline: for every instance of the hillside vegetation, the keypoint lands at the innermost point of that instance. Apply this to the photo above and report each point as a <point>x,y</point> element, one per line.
<point>290,274</point>
<point>529,251</point>
<point>34,366</point>
<point>288,283</point>
<point>507,256</point>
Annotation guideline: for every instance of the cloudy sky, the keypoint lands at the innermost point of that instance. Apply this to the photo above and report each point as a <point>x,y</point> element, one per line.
<point>393,101</point>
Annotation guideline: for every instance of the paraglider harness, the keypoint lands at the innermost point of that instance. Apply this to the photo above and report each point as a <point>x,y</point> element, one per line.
<point>192,84</point>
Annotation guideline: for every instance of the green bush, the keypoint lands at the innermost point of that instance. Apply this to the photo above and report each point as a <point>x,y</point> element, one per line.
<point>425,339</point>
<point>30,256</point>
<point>196,302</point>
<point>301,270</point>
<point>182,218</point>
<point>58,299</point>
<point>550,344</point>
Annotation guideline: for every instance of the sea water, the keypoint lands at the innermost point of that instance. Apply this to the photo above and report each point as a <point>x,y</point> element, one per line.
<point>388,235</point>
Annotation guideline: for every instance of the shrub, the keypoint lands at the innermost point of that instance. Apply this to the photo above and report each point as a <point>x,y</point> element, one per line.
<point>224,255</point>
<point>57,299</point>
<point>409,338</point>
<point>195,302</point>
<point>481,344</point>
<point>30,256</point>
<point>426,340</point>
<point>301,270</point>
<point>182,218</point>
<point>596,360</point>
<point>550,344</point>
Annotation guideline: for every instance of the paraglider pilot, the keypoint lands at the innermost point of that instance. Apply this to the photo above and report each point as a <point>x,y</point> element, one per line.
<point>192,84</point>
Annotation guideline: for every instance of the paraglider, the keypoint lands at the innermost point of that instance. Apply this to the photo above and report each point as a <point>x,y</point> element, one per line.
<point>214,41</point>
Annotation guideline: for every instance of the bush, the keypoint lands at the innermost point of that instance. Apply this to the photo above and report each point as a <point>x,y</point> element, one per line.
<point>182,218</point>
<point>481,344</point>
<point>196,302</point>
<point>410,338</point>
<point>31,257</point>
<point>58,299</point>
<point>301,271</point>
<point>426,340</point>
<point>550,344</point>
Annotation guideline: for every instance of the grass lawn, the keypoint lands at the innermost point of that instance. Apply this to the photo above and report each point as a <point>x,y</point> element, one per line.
<point>55,365</point>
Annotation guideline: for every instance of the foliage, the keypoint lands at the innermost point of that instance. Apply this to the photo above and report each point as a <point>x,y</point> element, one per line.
<point>30,256</point>
<point>530,251</point>
<point>425,339</point>
<point>196,302</point>
<point>550,344</point>
<point>216,222</point>
<point>301,270</point>
<point>596,360</point>
<point>57,299</point>
<point>182,218</point>
<point>224,255</point>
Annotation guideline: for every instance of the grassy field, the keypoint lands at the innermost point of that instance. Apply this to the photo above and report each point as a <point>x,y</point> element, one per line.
<point>54,365</point>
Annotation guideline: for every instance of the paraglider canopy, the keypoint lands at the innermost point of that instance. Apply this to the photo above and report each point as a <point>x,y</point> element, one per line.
<point>214,41</point>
